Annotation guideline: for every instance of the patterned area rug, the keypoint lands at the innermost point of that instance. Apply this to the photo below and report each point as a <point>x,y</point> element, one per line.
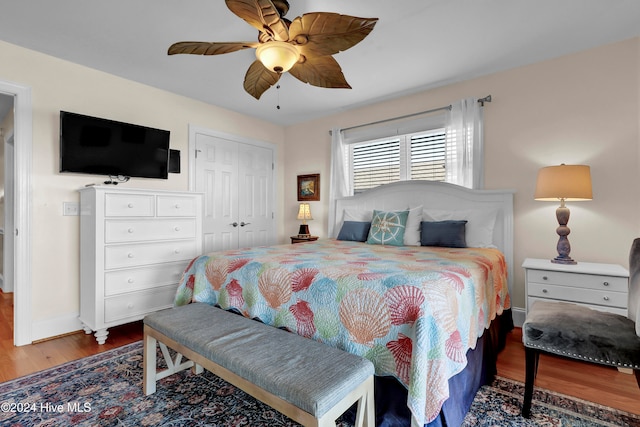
<point>106,390</point>
<point>500,404</point>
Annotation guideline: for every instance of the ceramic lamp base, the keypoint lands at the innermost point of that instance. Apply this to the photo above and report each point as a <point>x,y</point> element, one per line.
<point>304,230</point>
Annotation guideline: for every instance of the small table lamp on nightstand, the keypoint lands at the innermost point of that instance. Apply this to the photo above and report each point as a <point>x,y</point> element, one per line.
<point>304,213</point>
<point>564,182</point>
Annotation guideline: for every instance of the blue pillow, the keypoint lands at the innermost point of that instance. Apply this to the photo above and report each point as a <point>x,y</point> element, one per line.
<point>387,228</point>
<point>355,231</point>
<point>449,234</point>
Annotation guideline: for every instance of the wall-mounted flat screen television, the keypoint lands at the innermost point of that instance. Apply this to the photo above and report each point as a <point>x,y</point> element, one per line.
<point>99,146</point>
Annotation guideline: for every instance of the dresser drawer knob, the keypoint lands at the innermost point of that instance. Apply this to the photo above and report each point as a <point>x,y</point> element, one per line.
<point>130,280</point>
<point>544,291</point>
<point>130,230</point>
<point>545,278</point>
<point>177,251</point>
<point>177,206</point>
<point>130,305</point>
<point>606,283</point>
<point>130,205</point>
<point>129,255</point>
<point>177,228</point>
<point>606,298</point>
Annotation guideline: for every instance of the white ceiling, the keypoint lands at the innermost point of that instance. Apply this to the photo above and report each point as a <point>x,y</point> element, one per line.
<point>417,44</point>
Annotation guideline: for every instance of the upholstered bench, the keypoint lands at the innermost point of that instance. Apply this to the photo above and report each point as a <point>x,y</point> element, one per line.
<point>305,380</point>
<point>578,332</point>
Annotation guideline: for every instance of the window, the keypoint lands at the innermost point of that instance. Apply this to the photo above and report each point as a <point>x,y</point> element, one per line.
<point>417,156</point>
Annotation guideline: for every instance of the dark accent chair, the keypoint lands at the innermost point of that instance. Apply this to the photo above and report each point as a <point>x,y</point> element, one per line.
<point>579,332</point>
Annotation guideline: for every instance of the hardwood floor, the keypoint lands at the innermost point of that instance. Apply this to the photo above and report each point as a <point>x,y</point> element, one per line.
<point>587,381</point>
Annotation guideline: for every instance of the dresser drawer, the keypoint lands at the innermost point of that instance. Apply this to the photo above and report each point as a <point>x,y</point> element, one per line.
<point>138,254</point>
<point>137,304</point>
<point>135,279</point>
<point>587,296</point>
<point>588,281</point>
<point>117,231</point>
<point>129,205</point>
<point>176,206</point>
<point>616,310</point>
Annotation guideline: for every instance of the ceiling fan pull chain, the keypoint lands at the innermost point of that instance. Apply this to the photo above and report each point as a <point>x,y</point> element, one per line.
<point>278,89</point>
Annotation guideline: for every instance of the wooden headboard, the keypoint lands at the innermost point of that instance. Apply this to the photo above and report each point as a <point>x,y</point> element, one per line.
<point>441,196</point>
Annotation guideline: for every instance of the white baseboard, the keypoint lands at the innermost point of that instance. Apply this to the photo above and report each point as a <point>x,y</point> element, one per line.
<point>48,328</point>
<point>519,315</point>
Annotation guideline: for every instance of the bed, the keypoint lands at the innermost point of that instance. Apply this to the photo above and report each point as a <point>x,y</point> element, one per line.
<point>427,308</point>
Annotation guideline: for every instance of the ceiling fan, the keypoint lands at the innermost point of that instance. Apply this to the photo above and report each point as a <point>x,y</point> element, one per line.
<point>303,47</point>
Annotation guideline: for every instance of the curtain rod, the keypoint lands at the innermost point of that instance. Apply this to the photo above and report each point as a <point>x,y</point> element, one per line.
<point>447,107</point>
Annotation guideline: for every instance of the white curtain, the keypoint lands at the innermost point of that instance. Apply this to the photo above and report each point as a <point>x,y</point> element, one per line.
<point>465,151</point>
<point>340,184</point>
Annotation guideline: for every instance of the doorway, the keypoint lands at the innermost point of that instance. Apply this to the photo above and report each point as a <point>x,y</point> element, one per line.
<point>21,209</point>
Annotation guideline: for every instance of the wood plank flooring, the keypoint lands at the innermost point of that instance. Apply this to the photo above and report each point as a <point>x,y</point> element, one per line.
<point>594,383</point>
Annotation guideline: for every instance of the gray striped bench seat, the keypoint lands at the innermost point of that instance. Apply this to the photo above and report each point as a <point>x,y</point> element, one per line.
<point>305,380</point>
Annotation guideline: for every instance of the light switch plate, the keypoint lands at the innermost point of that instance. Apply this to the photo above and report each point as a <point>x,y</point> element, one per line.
<point>70,209</point>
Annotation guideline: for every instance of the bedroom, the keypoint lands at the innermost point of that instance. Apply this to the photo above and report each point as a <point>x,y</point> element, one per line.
<point>578,108</point>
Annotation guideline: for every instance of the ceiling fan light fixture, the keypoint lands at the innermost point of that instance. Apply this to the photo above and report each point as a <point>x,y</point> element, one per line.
<point>277,56</point>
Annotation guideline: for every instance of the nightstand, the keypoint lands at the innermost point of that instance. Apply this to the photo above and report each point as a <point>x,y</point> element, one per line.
<point>301,239</point>
<point>599,286</point>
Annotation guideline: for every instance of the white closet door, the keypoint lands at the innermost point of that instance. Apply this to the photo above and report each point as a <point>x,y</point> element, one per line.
<point>256,198</point>
<point>217,178</point>
<point>237,181</point>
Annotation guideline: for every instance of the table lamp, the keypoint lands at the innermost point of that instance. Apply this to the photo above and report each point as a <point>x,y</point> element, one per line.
<point>564,183</point>
<point>304,213</point>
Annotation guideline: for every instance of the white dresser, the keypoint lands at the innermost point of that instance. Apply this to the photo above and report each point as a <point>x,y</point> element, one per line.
<point>134,246</point>
<point>603,287</point>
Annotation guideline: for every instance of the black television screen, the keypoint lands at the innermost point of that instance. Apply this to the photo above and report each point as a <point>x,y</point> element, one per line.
<point>98,146</point>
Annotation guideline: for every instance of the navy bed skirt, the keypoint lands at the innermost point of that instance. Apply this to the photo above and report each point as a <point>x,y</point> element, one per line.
<point>391,396</point>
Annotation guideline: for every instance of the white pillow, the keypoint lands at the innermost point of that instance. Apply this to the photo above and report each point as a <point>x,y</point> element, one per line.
<point>412,229</point>
<point>479,227</point>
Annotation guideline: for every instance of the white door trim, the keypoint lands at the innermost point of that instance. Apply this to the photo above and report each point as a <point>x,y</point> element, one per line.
<point>23,140</point>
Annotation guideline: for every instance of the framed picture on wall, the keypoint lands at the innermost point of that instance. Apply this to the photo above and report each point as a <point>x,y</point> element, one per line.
<point>309,187</point>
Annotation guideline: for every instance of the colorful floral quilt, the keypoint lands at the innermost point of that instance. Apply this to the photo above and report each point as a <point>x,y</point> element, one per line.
<point>413,311</point>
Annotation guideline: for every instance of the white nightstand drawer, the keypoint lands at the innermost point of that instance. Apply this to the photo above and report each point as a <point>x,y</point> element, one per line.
<point>589,281</point>
<point>176,206</point>
<point>138,304</point>
<point>587,296</point>
<point>121,256</point>
<point>133,230</point>
<point>135,279</point>
<point>129,205</point>
<point>620,311</point>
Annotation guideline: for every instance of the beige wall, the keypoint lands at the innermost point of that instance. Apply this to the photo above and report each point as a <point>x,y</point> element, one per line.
<point>59,85</point>
<point>582,108</point>
<point>578,109</point>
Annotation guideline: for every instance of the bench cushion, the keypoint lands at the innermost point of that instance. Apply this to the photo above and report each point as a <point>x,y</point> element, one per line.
<point>310,375</point>
<point>580,332</point>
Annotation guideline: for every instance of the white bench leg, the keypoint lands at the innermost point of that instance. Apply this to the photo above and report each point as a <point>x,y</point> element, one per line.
<point>366,410</point>
<point>149,365</point>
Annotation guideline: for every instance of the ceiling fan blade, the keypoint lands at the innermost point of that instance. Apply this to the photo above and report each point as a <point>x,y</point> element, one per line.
<point>324,33</point>
<point>258,79</point>
<point>263,15</point>
<point>321,71</point>
<point>209,48</point>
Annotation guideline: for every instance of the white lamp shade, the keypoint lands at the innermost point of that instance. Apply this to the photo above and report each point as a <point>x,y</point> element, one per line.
<point>304,212</point>
<point>277,57</point>
<point>568,182</point>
